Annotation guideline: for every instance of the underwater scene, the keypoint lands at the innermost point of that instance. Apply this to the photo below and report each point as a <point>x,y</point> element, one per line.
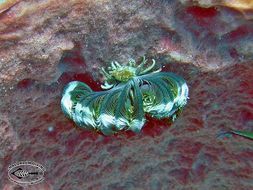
<point>126,95</point>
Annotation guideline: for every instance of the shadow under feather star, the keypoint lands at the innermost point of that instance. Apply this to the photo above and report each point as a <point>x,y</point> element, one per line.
<point>131,92</point>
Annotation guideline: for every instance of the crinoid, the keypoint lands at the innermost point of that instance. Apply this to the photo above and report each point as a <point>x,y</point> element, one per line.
<point>131,92</point>
<point>122,73</point>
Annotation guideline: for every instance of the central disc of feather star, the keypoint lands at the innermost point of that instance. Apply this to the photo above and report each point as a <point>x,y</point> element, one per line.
<point>131,91</point>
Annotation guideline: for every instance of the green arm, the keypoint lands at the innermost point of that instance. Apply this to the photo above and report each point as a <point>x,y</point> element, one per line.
<point>247,134</point>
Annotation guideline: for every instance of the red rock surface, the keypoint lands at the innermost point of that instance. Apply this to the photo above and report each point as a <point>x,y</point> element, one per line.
<point>210,46</point>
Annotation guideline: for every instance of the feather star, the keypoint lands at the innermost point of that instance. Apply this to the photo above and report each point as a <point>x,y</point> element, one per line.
<point>130,92</point>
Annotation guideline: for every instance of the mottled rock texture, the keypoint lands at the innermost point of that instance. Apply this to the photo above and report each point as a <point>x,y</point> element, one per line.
<point>46,44</point>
